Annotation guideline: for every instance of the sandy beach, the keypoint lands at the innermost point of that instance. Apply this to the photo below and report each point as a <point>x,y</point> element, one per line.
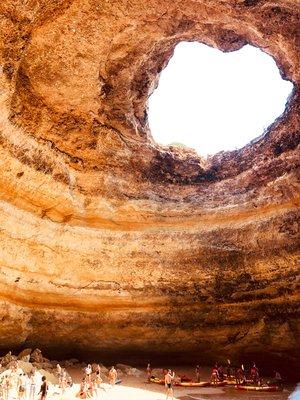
<point>137,388</point>
<point>134,388</point>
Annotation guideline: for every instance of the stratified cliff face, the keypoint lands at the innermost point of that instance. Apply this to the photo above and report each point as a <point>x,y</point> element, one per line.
<point>113,244</point>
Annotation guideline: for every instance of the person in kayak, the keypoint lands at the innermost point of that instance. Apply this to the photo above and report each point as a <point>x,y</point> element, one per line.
<point>168,383</point>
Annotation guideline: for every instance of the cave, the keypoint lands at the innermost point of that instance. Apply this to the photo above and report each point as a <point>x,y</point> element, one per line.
<point>112,244</point>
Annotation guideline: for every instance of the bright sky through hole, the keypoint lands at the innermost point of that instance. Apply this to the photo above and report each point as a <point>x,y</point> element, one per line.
<point>213,101</point>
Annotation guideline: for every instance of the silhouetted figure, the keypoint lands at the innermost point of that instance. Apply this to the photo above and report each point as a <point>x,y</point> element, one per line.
<point>44,388</point>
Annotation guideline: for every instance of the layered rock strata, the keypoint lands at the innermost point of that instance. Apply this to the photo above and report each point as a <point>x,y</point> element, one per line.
<point>113,244</point>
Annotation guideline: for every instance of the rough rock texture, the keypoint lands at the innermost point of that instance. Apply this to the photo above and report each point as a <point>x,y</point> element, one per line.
<point>114,244</point>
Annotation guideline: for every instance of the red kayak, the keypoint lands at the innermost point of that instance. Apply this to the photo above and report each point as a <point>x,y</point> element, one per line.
<point>263,388</point>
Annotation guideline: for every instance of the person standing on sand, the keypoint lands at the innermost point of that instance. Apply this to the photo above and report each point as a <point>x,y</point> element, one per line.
<point>198,373</point>
<point>63,384</point>
<point>149,372</point>
<point>220,373</point>
<point>228,370</point>
<point>1,387</point>
<point>254,375</point>
<point>82,394</point>
<point>98,381</point>
<point>278,377</point>
<point>88,373</point>
<point>58,374</point>
<point>32,385</point>
<point>240,376</point>
<point>168,383</point>
<point>214,375</point>
<point>91,390</point>
<point>98,369</point>
<point>21,384</point>
<point>44,388</point>
<point>112,376</point>
<point>6,387</point>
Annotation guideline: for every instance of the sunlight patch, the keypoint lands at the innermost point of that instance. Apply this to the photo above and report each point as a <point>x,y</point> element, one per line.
<point>213,101</point>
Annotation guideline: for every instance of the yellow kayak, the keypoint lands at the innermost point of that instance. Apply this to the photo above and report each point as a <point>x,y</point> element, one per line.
<point>157,381</point>
<point>263,388</point>
<point>193,384</point>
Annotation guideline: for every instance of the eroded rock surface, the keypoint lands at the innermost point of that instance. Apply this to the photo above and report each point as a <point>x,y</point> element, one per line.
<point>114,244</point>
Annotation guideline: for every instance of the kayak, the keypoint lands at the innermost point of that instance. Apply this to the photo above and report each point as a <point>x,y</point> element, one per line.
<point>264,388</point>
<point>193,384</point>
<point>158,381</point>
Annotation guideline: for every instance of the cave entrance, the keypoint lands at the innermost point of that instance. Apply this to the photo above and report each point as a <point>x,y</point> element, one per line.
<point>213,101</point>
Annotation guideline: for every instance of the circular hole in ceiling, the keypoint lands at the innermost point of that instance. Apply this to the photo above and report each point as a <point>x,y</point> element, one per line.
<point>213,101</point>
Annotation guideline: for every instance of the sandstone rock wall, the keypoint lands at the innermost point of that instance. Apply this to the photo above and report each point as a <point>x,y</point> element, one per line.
<point>113,244</point>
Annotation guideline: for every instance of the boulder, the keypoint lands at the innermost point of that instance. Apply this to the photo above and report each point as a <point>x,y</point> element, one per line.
<point>8,358</point>
<point>134,372</point>
<point>36,356</point>
<point>24,355</point>
<point>26,366</point>
<point>128,370</point>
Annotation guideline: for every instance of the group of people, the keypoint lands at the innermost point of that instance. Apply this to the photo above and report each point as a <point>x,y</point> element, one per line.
<point>92,381</point>
<point>219,374</point>
<point>240,375</point>
<point>64,379</point>
<point>15,382</point>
